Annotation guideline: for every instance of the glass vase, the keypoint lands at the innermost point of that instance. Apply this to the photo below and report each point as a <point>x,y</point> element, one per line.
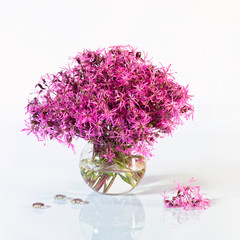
<point>113,175</point>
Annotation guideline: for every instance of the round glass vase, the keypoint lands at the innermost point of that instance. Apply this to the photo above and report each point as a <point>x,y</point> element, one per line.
<point>119,175</point>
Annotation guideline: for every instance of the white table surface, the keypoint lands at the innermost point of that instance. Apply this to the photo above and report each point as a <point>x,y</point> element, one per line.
<point>140,215</point>
<point>38,173</point>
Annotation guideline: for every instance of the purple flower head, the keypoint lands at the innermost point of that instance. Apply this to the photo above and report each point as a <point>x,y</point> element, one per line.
<point>113,96</point>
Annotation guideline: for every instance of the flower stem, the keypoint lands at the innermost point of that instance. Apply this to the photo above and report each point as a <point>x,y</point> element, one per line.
<point>110,184</point>
<point>101,182</point>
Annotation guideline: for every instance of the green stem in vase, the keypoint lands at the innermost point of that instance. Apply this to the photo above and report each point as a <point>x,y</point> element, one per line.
<point>110,184</point>
<point>101,174</point>
<point>91,183</point>
<point>101,182</point>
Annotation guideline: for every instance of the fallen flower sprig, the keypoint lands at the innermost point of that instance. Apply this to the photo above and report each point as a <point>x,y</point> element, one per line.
<point>187,197</point>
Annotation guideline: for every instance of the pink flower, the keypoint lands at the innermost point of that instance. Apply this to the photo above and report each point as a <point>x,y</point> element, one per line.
<point>114,96</point>
<point>187,197</point>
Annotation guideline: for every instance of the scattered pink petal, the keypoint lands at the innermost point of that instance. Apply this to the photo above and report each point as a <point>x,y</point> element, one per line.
<point>187,197</point>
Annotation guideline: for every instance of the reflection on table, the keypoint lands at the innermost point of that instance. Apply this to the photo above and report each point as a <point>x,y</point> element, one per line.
<point>112,217</point>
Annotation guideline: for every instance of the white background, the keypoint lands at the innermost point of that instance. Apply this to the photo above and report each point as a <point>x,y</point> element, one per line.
<point>200,39</point>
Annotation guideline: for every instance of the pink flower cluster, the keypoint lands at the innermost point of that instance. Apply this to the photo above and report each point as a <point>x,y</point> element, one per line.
<point>113,96</point>
<point>187,197</point>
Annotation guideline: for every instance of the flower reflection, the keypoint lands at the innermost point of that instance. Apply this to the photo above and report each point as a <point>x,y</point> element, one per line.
<point>112,217</point>
<point>179,216</point>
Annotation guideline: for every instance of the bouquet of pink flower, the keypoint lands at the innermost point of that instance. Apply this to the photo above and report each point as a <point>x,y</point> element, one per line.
<point>114,98</point>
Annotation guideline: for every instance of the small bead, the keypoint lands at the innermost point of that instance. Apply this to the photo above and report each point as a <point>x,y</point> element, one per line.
<point>60,197</point>
<point>77,201</point>
<point>38,205</point>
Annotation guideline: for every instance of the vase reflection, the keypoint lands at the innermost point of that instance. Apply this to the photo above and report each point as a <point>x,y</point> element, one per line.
<point>112,217</point>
